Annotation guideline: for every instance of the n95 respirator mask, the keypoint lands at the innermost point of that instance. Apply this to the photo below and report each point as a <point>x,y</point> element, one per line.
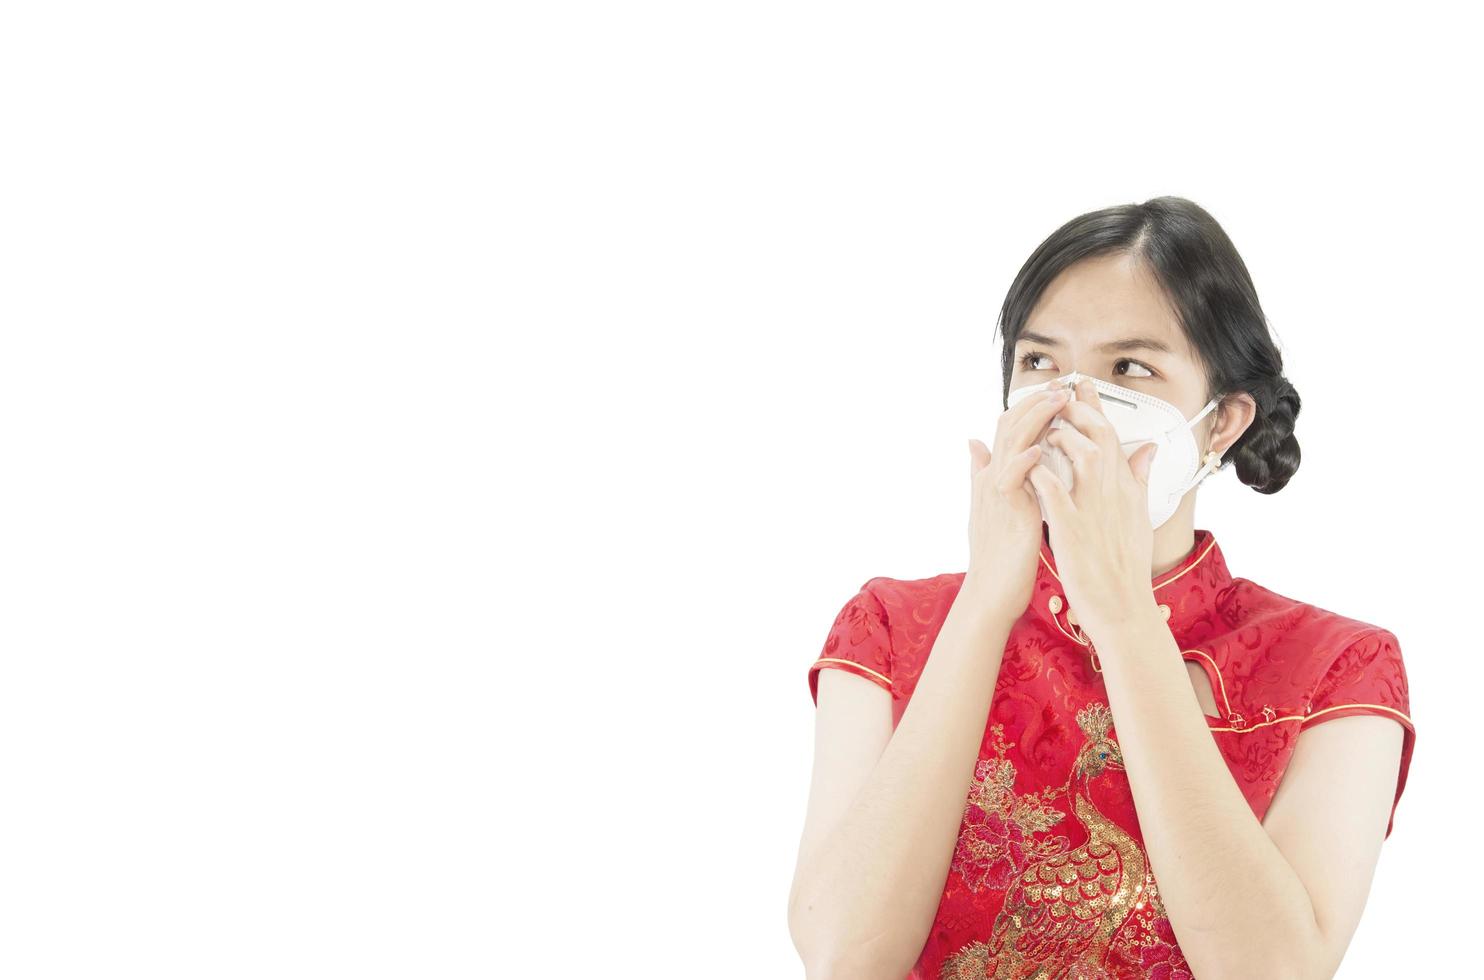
<point>1137,418</point>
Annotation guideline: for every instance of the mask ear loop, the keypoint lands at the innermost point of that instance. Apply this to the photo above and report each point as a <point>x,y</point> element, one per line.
<point>1212,461</point>
<point>1202,413</point>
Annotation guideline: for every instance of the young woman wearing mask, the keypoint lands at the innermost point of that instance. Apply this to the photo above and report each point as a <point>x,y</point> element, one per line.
<point>1096,752</point>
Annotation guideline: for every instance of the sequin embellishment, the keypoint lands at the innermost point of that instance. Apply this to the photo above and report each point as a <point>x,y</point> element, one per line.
<point>1065,908</point>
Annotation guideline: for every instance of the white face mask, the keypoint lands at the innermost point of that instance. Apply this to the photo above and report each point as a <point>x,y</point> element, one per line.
<point>1138,418</point>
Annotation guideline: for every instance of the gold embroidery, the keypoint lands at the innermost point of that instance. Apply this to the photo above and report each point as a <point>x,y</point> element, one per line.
<point>1066,904</point>
<point>996,837</point>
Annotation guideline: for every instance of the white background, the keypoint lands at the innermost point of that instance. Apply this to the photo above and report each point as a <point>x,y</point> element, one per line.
<point>438,437</point>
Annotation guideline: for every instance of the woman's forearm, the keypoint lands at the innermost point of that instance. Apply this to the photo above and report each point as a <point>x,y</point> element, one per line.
<point>869,892</point>
<point>1237,905</point>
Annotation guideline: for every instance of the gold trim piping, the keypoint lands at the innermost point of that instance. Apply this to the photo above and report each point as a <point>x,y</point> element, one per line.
<point>1358,704</point>
<point>1260,724</point>
<point>1305,719</point>
<point>849,663</point>
<point>1300,718</point>
<point>1220,681</point>
<point>1190,567</point>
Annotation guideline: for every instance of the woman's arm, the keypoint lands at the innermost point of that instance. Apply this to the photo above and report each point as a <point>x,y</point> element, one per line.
<point>1238,904</point>
<point>866,889</point>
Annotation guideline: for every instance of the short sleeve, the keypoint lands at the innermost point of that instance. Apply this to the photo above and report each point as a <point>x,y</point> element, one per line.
<point>1368,677</point>
<point>858,641</point>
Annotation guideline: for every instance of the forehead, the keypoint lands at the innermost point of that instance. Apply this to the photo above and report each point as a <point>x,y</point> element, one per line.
<point>1103,299</point>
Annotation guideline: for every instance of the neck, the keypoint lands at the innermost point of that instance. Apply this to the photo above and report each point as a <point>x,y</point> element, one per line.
<point>1174,539</point>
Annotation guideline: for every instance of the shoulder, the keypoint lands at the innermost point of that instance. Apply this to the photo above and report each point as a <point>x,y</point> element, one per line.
<point>1290,622</point>
<point>879,631</point>
<point>914,601</point>
<point>913,610</point>
<point>1310,648</point>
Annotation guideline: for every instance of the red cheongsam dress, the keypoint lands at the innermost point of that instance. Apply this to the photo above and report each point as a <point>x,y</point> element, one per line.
<point>1049,872</point>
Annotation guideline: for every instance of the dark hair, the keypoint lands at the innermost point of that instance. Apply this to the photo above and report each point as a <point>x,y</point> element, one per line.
<point>1213,297</point>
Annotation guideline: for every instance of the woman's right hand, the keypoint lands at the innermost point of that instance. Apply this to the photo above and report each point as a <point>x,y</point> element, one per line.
<point>1004,517</point>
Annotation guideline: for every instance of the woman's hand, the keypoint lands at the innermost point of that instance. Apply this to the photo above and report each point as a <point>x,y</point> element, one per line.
<point>1004,519</point>
<point>1099,530</point>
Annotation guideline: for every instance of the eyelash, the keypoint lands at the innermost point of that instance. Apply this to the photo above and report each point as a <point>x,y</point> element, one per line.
<point>1026,358</point>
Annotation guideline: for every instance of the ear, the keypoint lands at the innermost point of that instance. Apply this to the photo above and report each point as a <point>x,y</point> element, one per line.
<point>1141,460</point>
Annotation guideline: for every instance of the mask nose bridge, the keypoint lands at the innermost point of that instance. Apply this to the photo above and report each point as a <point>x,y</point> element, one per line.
<point>1071,378</point>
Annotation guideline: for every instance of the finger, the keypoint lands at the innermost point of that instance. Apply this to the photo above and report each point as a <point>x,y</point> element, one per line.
<point>1016,470</point>
<point>1030,403</point>
<point>1141,460</point>
<point>1091,422</point>
<point>1088,393</point>
<point>979,456</point>
<point>1025,404</point>
<point>1053,493</point>
<point>1085,455</point>
<point>1030,425</point>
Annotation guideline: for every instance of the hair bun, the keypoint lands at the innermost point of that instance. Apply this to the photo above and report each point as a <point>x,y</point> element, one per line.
<point>1268,455</point>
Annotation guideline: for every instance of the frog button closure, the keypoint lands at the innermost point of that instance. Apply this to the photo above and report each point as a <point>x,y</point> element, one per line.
<point>1055,604</point>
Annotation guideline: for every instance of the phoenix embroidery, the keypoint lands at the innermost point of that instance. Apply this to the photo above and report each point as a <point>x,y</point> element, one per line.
<point>1065,908</point>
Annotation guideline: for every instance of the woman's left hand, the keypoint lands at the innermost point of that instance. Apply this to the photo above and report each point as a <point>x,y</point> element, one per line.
<point>1099,530</point>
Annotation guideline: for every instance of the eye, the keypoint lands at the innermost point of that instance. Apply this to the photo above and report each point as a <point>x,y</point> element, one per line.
<point>1103,755</point>
<point>1027,363</point>
<point>1141,364</point>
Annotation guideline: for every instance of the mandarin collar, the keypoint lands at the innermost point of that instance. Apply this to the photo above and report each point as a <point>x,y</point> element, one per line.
<point>1187,594</point>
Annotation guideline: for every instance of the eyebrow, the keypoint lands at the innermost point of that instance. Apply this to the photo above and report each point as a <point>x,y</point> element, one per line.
<point>1131,343</point>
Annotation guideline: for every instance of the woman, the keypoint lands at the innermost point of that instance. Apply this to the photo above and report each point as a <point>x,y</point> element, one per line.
<point>1096,753</point>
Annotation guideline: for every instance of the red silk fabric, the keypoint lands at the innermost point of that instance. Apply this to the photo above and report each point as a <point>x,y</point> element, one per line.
<point>1050,868</point>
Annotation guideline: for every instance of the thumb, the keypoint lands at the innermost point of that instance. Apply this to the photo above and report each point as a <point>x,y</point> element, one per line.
<point>1141,460</point>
